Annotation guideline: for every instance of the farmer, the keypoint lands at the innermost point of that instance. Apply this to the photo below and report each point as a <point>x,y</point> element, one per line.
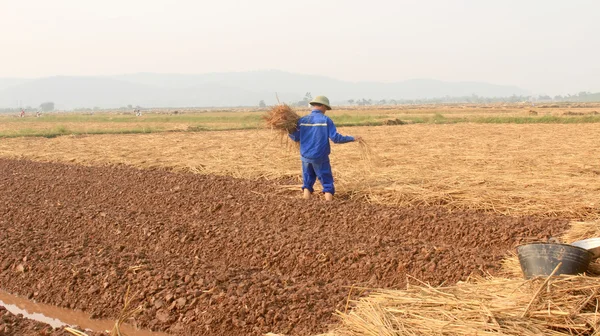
<point>313,132</point>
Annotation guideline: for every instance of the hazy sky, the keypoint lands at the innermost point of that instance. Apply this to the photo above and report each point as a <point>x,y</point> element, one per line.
<point>550,46</point>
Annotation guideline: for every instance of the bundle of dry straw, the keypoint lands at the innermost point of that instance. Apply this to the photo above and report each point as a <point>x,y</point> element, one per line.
<point>282,117</point>
<point>564,305</point>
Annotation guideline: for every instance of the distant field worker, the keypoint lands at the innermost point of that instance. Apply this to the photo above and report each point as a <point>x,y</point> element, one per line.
<point>313,132</point>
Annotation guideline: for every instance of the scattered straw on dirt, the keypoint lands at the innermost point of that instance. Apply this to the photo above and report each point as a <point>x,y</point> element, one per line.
<point>282,117</point>
<point>565,305</point>
<point>126,313</point>
<point>549,170</point>
<point>75,332</point>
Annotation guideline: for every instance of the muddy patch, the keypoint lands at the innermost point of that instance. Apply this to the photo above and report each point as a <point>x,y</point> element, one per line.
<point>47,317</point>
<point>17,324</point>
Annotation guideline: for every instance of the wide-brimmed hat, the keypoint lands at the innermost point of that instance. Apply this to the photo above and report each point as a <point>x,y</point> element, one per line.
<point>321,100</point>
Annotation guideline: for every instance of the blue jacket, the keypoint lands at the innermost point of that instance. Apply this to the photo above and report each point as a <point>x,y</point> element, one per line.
<point>313,132</point>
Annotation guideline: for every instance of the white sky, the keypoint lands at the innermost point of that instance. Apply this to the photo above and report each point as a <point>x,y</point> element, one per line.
<point>550,46</point>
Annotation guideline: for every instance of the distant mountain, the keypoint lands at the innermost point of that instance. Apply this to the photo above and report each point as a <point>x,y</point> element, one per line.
<point>74,92</point>
<point>71,92</point>
<point>298,84</point>
<point>8,82</point>
<point>222,89</point>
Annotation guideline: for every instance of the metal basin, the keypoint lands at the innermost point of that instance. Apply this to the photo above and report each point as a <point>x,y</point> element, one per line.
<point>541,259</point>
<point>590,244</point>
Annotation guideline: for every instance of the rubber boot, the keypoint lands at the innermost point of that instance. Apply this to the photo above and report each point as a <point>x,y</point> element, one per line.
<point>306,194</point>
<point>328,196</point>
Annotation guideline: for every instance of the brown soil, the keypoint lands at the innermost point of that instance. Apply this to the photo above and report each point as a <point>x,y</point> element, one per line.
<point>17,325</point>
<point>213,255</point>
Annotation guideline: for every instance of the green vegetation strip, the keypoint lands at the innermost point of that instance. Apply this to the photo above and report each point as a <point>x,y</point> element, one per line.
<point>58,131</point>
<point>223,117</point>
<point>232,122</point>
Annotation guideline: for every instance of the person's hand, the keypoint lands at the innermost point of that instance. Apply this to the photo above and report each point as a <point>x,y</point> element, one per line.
<point>358,138</point>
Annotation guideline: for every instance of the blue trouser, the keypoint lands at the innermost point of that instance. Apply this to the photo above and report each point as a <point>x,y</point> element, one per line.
<point>322,170</point>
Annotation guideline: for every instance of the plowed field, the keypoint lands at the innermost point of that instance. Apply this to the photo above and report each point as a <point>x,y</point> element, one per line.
<point>208,255</point>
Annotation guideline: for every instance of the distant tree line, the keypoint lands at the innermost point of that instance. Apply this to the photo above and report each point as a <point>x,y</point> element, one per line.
<point>44,107</point>
<point>475,99</point>
<point>47,107</point>
<point>472,99</point>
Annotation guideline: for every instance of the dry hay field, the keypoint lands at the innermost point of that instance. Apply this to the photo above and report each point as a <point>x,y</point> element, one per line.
<point>506,168</point>
<point>208,232</point>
